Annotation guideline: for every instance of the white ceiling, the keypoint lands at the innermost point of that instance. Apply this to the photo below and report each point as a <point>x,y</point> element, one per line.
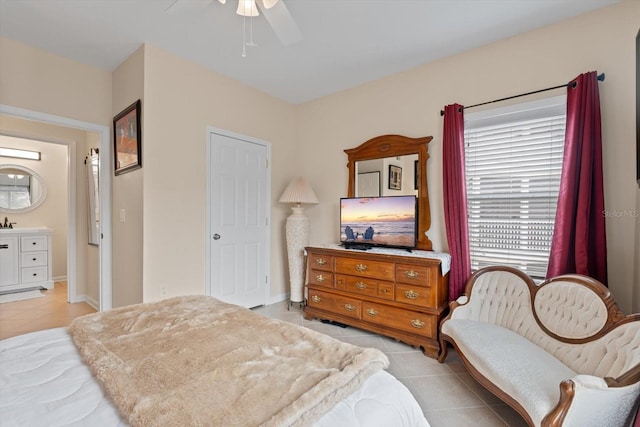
<point>344,42</point>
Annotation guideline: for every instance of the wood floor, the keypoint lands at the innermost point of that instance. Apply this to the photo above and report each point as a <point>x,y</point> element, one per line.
<point>36,314</point>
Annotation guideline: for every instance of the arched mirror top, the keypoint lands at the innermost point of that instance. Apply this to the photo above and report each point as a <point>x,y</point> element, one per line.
<point>390,148</point>
<point>21,189</point>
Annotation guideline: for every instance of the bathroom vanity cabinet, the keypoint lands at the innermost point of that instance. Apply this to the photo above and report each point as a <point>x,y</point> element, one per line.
<point>25,258</point>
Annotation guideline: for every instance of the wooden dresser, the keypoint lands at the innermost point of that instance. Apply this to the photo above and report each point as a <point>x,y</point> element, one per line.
<point>400,296</point>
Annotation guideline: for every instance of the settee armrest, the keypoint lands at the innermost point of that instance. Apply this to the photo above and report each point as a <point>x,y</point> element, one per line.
<point>589,400</point>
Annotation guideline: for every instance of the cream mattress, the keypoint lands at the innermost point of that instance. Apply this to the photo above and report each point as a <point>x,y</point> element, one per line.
<point>43,382</point>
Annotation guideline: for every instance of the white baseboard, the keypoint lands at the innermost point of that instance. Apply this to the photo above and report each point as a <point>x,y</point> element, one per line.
<point>60,279</point>
<point>92,302</point>
<point>278,298</point>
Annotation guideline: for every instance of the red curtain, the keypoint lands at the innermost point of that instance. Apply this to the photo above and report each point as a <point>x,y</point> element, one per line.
<point>579,242</point>
<point>455,199</point>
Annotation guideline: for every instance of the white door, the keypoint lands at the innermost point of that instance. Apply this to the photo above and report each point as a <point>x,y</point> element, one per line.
<point>238,219</point>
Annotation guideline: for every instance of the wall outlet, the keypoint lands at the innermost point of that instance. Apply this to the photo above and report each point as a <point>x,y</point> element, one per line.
<point>163,290</point>
<point>123,215</point>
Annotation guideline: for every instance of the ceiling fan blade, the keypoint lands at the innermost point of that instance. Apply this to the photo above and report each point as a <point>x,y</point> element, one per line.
<point>282,22</point>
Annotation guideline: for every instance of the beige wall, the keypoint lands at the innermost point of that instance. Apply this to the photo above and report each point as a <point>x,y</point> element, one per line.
<point>181,100</point>
<point>39,81</point>
<point>409,103</point>
<point>128,86</point>
<point>52,213</point>
<point>60,138</point>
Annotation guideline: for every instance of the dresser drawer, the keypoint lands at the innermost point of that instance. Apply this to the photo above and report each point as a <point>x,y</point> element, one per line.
<point>404,320</point>
<point>320,262</point>
<point>415,295</point>
<point>34,259</point>
<point>365,268</point>
<point>334,303</point>
<point>33,243</point>
<point>386,290</point>
<point>321,278</point>
<point>413,274</point>
<point>361,285</point>
<point>34,274</point>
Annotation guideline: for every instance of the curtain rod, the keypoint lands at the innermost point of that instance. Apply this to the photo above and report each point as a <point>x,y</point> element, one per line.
<point>572,83</point>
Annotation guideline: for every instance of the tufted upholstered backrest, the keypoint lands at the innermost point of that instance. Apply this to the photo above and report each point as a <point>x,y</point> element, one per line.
<point>572,317</point>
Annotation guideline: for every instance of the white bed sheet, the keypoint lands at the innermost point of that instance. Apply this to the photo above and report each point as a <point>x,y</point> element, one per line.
<point>43,382</point>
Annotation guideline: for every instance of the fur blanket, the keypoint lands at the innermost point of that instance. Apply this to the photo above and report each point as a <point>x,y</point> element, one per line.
<point>201,362</point>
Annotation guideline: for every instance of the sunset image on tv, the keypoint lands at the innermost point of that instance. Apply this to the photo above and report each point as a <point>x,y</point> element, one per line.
<point>378,221</point>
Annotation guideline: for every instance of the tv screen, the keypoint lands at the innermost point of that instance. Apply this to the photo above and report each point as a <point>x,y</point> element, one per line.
<point>378,221</point>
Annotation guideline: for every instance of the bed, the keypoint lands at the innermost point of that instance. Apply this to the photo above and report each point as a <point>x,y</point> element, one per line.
<point>130,366</point>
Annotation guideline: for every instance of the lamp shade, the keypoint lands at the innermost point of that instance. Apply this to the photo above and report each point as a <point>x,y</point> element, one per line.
<point>298,192</point>
<point>247,8</point>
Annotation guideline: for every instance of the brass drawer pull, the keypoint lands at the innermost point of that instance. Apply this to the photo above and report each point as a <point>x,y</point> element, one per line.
<point>316,298</point>
<point>411,294</point>
<point>411,274</point>
<point>361,285</point>
<point>320,261</point>
<point>361,267</point>
<point>385,290</point>
<point>418,324</point>
<point>320,278</point>
<point>349,307</point>
<point>371,312</point>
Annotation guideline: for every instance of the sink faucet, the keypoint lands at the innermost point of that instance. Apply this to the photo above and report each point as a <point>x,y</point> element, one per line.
<point>7,224</point>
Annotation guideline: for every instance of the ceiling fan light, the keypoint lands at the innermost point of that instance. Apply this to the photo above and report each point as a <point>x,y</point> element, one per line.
<point>247,8</point>
<point>222,1</point>
<point>268,4</point>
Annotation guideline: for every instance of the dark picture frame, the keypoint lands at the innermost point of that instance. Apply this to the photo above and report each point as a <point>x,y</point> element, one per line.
<point>416,176</point>
<point>395,177</point>
<point>127,139</point>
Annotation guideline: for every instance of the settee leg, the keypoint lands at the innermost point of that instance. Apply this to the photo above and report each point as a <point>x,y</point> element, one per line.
<point>443,351</point>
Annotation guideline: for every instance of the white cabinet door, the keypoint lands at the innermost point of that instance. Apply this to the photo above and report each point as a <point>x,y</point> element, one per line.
<point>9,261</point>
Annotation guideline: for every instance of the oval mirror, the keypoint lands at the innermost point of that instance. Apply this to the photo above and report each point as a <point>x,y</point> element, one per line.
<point>21,189</point>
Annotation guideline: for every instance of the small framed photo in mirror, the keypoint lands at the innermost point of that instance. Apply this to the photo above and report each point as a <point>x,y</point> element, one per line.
<point>395,177</point>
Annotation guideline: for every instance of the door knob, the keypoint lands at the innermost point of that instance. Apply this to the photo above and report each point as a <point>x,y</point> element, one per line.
<point>216,236</point>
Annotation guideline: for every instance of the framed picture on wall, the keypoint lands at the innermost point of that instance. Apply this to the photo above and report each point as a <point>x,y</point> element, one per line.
<point>127,139</point>
<point>395,177</point>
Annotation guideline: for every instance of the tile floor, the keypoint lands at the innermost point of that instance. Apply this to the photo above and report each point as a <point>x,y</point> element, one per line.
<point>447,394</point>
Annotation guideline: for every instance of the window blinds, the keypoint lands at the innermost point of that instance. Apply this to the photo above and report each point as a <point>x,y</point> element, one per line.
<point>513,167</point>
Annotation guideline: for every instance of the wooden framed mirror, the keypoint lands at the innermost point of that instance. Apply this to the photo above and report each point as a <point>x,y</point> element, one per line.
<point>402,150</point>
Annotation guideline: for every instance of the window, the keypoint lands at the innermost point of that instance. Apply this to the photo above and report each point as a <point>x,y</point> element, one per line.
<point>513,161</point>
<point>15,191</point>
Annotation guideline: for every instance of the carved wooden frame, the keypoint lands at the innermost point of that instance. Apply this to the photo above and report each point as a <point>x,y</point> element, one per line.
<point>392,146</point>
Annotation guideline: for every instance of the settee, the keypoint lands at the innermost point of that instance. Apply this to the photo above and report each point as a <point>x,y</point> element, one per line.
<point>560,353</point>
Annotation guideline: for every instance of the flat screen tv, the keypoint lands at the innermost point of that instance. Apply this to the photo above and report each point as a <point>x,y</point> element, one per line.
<point>389,221</point>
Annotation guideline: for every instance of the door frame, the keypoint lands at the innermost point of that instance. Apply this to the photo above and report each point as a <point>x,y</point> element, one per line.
<point>105,199</point>
<point>210,130</point>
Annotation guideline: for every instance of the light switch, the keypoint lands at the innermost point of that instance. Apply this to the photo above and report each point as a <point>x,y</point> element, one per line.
<point>123,215</point>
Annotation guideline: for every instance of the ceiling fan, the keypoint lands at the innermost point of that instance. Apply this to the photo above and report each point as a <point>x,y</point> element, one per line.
<point>276,14</point>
